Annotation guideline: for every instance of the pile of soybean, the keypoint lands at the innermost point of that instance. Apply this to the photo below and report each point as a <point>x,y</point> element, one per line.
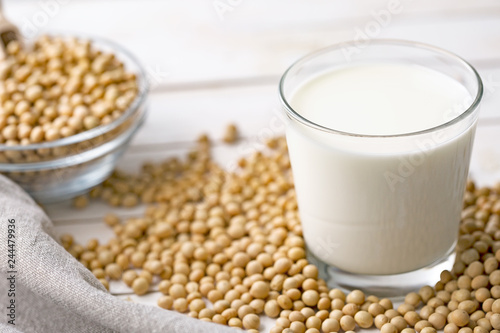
<point>234,240</point>
<point>58,88</point>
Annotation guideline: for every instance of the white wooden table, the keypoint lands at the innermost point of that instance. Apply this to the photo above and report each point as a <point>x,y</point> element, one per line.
<point>215,62</point>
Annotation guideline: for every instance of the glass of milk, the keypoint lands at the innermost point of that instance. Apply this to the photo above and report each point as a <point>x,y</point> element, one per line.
<point>380,138</point>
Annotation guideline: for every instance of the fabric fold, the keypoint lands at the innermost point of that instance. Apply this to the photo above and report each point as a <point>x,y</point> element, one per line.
<point>56,293</point>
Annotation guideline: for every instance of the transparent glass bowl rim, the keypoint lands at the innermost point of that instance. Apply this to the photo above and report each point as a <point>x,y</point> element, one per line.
<point>380,42</point>
<point>102,129</point>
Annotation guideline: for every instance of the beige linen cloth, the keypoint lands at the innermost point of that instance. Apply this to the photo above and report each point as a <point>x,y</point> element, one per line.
<point>55,293</point>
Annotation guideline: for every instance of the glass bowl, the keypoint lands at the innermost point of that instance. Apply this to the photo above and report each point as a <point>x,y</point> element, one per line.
<point>64,168</point>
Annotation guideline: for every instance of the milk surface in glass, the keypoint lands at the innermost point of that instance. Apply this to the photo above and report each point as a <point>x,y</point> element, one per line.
<point>347,193</point>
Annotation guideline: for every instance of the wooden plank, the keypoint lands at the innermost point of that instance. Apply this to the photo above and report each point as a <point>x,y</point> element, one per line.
<point>177,118</point>
<point>485,169</point>
<point>485,162</point>
<point>190,42</point>
<point>182,116</point>
<point>65,216</point>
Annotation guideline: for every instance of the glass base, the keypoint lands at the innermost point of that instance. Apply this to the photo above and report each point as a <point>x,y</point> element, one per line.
<point>390,286</point>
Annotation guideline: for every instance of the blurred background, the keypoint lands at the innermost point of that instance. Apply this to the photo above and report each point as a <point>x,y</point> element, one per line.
<point>208,41</point>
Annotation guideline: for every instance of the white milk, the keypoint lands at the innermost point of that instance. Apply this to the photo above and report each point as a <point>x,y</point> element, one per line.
<point>379,205</point>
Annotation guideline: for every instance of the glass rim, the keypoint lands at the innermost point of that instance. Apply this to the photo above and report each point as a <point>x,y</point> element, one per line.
<point>101,129</point>
<point>394,42</point>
